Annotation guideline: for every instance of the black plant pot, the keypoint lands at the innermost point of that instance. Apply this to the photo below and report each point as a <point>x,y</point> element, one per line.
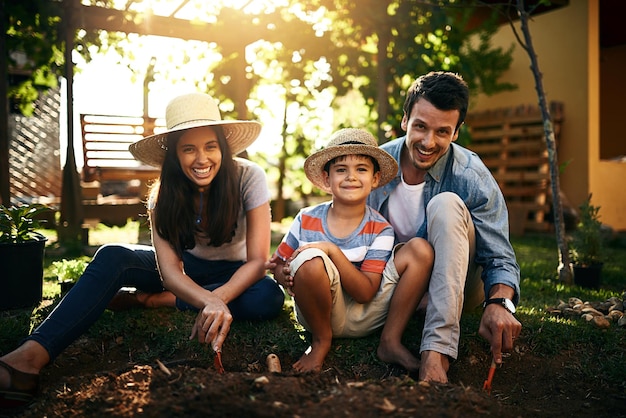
<point>66,286</point>
<point>21,273</point>
<point>589,277</point>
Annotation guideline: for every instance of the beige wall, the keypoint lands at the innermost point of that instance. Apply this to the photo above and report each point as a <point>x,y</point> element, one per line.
<point>566,44</point>
<point>609,193</point>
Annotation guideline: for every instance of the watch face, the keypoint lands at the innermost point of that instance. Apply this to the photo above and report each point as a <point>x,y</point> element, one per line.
<point>509,305</point>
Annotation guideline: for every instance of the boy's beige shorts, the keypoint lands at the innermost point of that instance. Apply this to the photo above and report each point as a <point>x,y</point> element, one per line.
<point>349,318</point>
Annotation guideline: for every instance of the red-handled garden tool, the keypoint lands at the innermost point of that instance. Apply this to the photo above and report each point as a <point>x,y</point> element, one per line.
<point>217,362</point>
<point>492,371</point>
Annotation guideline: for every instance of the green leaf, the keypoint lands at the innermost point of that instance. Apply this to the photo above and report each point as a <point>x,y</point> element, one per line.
<point>18,223</point>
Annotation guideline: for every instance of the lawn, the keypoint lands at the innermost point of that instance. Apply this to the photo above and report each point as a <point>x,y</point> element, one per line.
<point>561,364</point>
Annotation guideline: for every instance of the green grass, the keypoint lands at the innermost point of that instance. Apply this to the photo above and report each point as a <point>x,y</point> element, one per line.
<point>163,334</point>
<point>598,350</point>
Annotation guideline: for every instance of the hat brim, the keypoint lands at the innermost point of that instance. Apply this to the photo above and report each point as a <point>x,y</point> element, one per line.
<point>239,134</point>
<point>314,164</point>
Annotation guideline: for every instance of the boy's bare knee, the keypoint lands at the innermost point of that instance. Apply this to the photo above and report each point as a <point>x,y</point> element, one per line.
<point>417,248</point>
<point>312,270</point>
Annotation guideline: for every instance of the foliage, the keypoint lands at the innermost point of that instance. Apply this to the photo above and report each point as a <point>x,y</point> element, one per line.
<point>69,270</point>
<point>381,47</point>
<point>18,223</point>
<point>35,43</point>
<point>334,47</point>
<point>365,48</point>
<point>587,242</point>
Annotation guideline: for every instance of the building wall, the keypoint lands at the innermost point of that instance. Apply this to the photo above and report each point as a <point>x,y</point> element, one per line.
<point>566,42</point>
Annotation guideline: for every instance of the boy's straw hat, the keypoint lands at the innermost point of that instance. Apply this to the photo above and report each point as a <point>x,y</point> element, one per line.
<point>350,141</point>
<point>191,111</point>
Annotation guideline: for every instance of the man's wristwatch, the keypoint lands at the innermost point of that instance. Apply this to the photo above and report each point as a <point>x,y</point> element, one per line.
<point>506,303</point>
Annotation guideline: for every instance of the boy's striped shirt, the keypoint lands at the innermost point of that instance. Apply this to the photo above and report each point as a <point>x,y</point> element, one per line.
<point>368,247</point>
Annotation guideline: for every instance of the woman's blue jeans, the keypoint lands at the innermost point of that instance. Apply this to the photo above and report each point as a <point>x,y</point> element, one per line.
<point>125,265</point>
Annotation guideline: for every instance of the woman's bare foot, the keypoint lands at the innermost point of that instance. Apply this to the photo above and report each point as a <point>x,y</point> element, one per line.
<point>434,367</point>
<point>147,300</point>
<point>157,300</point>
<point>312,359</point>
<point>397,354</point>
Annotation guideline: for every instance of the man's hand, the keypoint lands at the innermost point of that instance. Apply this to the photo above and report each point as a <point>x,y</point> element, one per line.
<point>498,325</point>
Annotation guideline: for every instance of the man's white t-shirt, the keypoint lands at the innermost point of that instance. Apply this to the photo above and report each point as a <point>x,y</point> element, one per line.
<point>406,209</point>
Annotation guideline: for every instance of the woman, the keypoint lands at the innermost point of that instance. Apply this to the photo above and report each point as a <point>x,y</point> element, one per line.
<point>210,220</point>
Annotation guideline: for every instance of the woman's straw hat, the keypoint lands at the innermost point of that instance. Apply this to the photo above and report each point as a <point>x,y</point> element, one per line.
<point>350,141</point>
<point>191,111</point>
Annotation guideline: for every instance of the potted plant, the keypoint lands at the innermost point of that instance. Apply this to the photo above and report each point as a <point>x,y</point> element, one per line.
<point>68,272</point>
<point>587,247</point>
<point>21,255</point>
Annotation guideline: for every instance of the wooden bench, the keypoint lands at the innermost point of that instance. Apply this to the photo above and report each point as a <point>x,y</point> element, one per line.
<point>105,147</point>
<point>511,143</point>
<point>106,159</point>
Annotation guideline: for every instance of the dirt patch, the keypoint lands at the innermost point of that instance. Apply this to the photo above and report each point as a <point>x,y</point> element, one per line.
<point>84,382</point>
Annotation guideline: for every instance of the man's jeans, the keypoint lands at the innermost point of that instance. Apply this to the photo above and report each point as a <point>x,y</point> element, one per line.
<point>455,282</point>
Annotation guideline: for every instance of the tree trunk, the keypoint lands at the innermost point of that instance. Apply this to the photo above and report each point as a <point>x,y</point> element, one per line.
<point>382,83</point>
<point>279,209</point>
<point>564,269</point>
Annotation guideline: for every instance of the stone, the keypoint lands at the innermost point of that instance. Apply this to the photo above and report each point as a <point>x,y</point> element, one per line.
<point>590,310</point>
<point>614,316</point>
<point>601,322</point>
<point>587,317</point>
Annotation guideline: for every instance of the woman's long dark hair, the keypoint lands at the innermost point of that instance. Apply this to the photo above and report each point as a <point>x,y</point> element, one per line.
<point>175,208</point>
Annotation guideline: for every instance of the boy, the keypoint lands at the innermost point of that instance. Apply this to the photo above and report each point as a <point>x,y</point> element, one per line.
<point>333,260</point>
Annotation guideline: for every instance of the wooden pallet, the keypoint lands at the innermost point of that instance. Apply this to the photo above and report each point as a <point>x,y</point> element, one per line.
<point>511,143</point>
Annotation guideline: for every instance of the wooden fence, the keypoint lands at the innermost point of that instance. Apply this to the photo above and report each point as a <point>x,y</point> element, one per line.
<point>34,162</point>
<point>511,143</point>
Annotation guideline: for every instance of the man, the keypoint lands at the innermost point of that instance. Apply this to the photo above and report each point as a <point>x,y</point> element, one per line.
<point>444,193</point>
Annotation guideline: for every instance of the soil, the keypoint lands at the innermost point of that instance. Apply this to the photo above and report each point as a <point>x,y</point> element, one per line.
<point>87,383</point>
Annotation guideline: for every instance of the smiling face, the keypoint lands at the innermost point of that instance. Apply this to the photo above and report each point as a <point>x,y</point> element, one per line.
<point>351,178</point>
<point>429,133</point>
<point>199,154</point>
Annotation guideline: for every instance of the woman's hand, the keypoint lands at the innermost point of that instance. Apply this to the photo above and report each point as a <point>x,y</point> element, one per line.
<point>212,324</point>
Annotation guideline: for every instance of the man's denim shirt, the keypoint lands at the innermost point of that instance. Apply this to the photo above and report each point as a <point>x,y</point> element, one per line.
<point>462,172</point>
